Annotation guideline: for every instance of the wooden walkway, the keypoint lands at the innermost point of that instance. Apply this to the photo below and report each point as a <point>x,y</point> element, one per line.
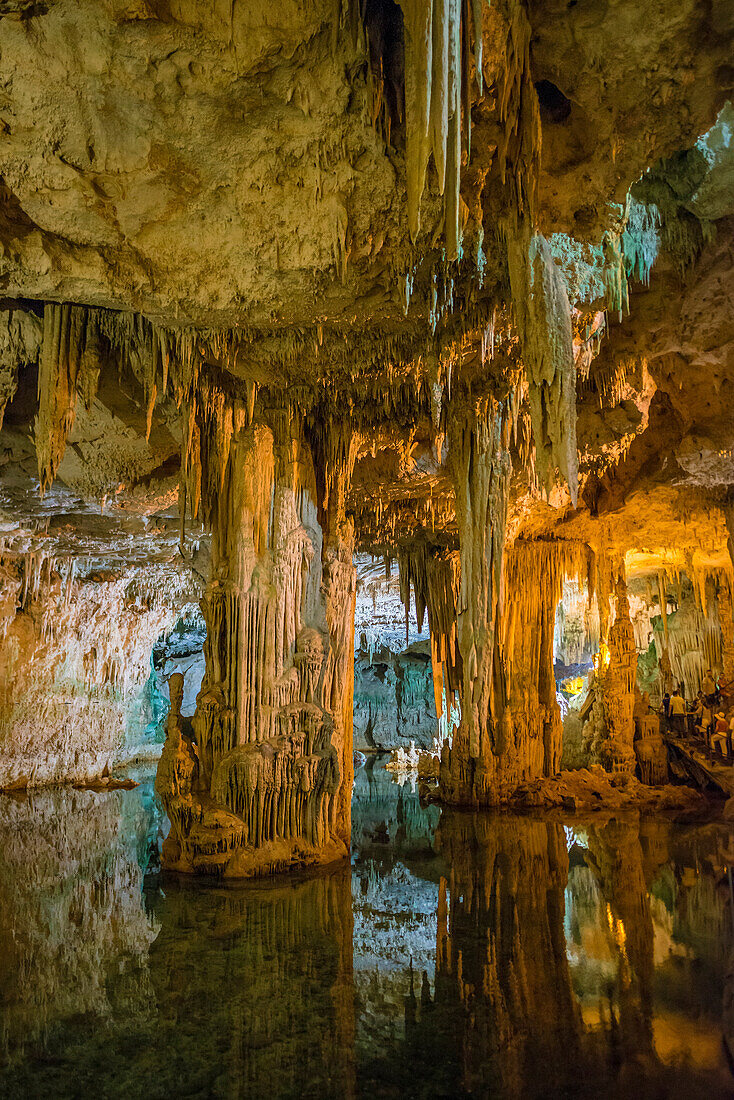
<point>698,762</point>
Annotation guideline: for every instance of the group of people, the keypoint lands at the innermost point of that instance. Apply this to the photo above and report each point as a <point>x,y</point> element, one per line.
<point>707,716</point>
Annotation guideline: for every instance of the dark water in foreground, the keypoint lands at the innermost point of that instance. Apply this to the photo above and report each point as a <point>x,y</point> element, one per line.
<point>459,955</point>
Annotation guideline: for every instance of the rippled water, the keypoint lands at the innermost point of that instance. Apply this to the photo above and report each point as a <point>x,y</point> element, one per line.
<point>459,955</point>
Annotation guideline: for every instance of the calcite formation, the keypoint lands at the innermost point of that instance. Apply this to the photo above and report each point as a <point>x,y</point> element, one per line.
<point>263,781</point>
<point>445,283</point>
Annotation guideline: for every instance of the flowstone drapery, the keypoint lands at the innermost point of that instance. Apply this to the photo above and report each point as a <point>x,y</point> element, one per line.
<point>272,734</point>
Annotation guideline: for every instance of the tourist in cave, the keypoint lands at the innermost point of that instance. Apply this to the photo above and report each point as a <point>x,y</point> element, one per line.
<point>705,724</point>
<point>678,712</point>
<point>709,686</point>
<point>666,705</point>
<point>719,739</point>
<point>695,713</point>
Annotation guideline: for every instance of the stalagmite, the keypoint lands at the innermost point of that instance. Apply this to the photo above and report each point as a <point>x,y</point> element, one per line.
<point>612,728</point>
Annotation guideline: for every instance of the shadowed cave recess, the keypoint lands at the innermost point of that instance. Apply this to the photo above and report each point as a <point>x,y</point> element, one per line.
<point>366,375</point>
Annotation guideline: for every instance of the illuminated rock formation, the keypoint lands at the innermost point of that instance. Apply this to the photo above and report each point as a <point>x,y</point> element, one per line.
<point>290,284</point>
<point>265,780</point>
<point>76,662</point>
<point>617,684</point>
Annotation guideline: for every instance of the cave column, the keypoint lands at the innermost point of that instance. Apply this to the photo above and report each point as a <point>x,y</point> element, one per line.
<point>535,572</point>
<point>272,730</point>
<point>334,447</point>
<point>615,690</point>
<point>726,622</point>
<point>480,468</point>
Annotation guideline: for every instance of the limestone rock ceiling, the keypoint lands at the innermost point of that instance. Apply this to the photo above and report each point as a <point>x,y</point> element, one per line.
<point>229,183</point>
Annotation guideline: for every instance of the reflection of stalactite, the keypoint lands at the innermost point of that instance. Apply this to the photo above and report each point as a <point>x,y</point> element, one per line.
<point>70,910</point>
<point>281,1011</point>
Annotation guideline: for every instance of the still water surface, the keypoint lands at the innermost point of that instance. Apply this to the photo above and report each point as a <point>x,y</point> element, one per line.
<point>459,955</point>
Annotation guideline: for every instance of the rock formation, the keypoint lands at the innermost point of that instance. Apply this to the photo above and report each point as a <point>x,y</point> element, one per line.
<point>448,284</point>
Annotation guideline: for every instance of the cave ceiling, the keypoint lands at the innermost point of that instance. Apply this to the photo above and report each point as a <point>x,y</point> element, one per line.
<point>241,184</point>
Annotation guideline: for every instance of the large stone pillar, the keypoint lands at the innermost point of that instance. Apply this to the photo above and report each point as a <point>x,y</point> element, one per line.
<point>725,606</point>
<point>510,728</point>
<point>613,722</point>
<point>271,741</point>
<point>480,469</point>
<point>535,572</point>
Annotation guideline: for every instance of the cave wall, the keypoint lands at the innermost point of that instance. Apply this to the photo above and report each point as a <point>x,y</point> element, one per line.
<point>393,699</point>
<point>76,661</point>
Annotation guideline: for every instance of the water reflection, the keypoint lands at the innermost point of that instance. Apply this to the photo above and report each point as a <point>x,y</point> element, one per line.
<point>459,955</point>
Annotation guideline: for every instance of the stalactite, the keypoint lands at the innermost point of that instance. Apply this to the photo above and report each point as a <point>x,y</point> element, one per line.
<point>58,376</point>
<point>691,639</point>
<point>519,147</point>
<point>434,574</point>
<point>434,76</point>
<point>418,29</point>
<point>544,323</point>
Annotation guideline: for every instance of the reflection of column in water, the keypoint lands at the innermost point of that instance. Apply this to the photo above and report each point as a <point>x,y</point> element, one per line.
<point>501,957</point>
<point>262,978</point>
<point>615,856</point>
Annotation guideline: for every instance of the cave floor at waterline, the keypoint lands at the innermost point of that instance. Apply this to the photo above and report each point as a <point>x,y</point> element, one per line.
<point>460,954</point>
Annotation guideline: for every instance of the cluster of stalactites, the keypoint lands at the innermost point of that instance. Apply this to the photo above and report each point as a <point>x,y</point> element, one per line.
<point>434,572</point>
<point>69,368</point>
<point>700,637</point>
<point>577,626</point>
<point>436,71</point>
<point>543,317</point>
<point>535,573</point>
<point>520,144</point>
